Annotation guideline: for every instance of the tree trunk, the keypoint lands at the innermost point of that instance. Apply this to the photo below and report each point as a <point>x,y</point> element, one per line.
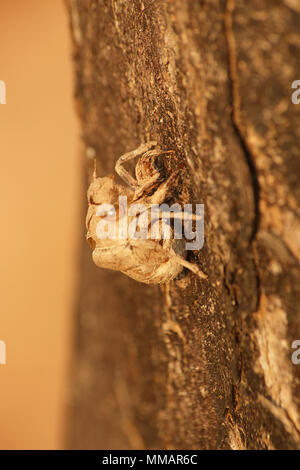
<point>194,363</point>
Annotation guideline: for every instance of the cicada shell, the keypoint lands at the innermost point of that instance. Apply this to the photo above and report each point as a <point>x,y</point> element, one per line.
<point>121,235</point>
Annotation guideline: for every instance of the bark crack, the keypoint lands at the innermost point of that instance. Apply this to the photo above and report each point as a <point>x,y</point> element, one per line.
<point>240,130</point>
<point>236,113</point>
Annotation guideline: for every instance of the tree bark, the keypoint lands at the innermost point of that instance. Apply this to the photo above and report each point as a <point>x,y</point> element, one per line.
<point>193,363</point>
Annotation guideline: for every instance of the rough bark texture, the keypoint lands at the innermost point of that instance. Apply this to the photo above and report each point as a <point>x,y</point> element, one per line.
<point>195,364</point>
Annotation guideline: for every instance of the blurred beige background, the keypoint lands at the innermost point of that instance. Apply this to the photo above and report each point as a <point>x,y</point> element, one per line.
<point>40,210</point>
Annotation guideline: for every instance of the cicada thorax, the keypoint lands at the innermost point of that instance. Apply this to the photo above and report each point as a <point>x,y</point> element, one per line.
<point>166,173</point>
<point>158,166</point>
<point>154,164</point>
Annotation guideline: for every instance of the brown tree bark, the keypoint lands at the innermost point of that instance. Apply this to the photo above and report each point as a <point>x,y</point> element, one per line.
<point>195,364</point>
